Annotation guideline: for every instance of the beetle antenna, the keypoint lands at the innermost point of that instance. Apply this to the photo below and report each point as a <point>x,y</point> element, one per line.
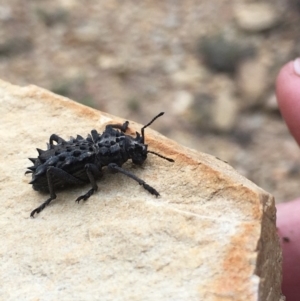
<point>143,128</point>
<point>154,153</point>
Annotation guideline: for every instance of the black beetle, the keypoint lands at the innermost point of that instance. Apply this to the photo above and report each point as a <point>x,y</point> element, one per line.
<point>80,161</point>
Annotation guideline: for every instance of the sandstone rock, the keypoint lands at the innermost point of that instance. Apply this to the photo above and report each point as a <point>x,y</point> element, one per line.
<point>210,236</point>
<point>256,16</point>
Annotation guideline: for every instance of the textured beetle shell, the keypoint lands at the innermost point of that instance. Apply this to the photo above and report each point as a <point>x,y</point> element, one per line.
<point>111,147</point>
<point>72,156</point>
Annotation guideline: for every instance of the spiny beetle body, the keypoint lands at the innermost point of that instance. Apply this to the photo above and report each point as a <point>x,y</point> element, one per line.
<point>80,160</point>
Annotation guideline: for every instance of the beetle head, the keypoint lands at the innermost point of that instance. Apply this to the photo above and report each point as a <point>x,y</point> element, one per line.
<point>139,150</point>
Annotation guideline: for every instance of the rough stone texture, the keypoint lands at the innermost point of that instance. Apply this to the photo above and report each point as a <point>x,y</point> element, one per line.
<point>210,236</point>
<point>253,91</point>
<point>256,16</point>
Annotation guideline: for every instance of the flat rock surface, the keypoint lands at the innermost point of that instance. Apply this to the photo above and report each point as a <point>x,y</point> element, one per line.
<point>211,235</point>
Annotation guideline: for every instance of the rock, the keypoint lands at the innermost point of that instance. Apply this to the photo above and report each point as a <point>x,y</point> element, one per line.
<point>86,34</point>
<point>5,13</point>
<point>200,113</point>
<point>220,53</point>
<point>107,62</point>
<point>189,75</point>
<point>256,17</point>
<point>210,236</point>
<point>217,111</point>
<point>69,4</point>
<point>182,102</point>
<point>253,80</point>
<point>225,105</point>
<point>225,110</point>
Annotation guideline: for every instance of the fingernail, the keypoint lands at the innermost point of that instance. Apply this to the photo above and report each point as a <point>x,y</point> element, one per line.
<point>297,66</point>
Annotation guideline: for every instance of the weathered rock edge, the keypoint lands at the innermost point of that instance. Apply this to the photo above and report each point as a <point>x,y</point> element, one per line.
<point>211,235</point>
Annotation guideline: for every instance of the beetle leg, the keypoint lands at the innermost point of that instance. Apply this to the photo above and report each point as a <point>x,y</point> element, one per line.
<point>122,127</point>
<point>92,172</point>
<point>54,173</point>
<point>115,167</point>
<point>51,190</point>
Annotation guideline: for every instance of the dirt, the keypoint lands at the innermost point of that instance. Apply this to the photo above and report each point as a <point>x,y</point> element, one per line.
<point>187,58</point>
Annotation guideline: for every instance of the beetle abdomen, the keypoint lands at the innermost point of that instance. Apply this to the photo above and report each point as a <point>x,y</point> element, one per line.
<point>69,157</point>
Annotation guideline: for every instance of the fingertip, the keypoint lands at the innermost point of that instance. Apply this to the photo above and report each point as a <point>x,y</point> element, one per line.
<point>288,224</point>
<point>288,96</point>
<point>296,65</point>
